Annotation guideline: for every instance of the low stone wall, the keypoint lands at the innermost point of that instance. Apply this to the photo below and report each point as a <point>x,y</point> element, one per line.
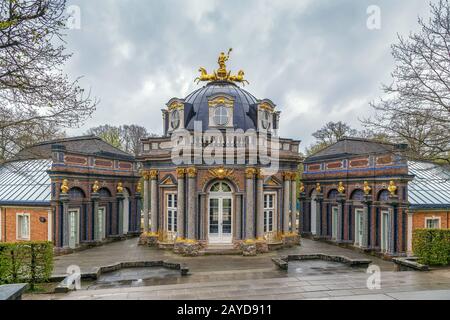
<point>409,264</point>
<point>282,262</point>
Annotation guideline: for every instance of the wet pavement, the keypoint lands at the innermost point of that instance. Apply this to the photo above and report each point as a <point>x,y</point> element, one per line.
<point>237,277</point>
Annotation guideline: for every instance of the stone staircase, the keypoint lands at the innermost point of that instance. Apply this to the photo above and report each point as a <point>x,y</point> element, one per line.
<point>220,249</point>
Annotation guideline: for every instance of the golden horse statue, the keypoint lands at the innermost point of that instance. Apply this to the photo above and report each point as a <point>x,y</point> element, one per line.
<point>239,78</point>
<point>204,76</point>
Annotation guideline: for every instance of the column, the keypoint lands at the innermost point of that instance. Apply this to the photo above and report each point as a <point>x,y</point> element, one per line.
<point>319,200</point>
<point>249,204</point>
<point>180,201</point>
<point>393,202</point>
<point>409,235</point>
<point>154,199</point>
<point>146,200</point>
<point>137,224</point>
<point>259,205</point>
<point>365,236</point>
<point>65,214</point>
<point>191,201</point>
<point>119,196</point>
<point>294,202</point>
<point>303,204</point>
<point>286,201</point>
<point>340,227</point>
<point>95,197</point>
<point>238,230</point>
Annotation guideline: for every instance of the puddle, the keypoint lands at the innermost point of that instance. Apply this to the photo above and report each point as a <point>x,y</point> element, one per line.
<point>320,267</point>
<point>136,277</point>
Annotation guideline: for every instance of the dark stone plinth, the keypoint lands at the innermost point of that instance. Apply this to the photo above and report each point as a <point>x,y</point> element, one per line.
<point>409,264</point>
<point>187,248</point>
<point>262,246</point>
<point>359,263</point>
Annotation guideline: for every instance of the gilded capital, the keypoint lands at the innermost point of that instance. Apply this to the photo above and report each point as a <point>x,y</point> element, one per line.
<point>191,172</point>
<point>181,172</point>
<point>287,175</point>
<point>250,173</point>
<point>259,174</point>
<point>145,174</point>
<point>153,174</point>
<point>294,176</point>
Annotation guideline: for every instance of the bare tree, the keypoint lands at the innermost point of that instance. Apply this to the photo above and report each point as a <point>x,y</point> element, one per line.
<point>334,131</point>
<point>416,108</point>
<point>126,137</point>
<point>34,90</point>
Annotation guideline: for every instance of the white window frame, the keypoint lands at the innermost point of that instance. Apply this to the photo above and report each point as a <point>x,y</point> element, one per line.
<point>172,210</point>
<point>19,236</point>
<point>433,218</point>
<point>273,209</point>
<point>101,234</point>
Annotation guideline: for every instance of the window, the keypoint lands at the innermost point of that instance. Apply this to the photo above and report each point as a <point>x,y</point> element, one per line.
<point>221,115</point>
<point>432,223</point>
<point>265,120</point>
<point>172,212</point>
<point>23,226</point>
<point>269,211</point>
<point>175,119</point>
<point>220,187</point>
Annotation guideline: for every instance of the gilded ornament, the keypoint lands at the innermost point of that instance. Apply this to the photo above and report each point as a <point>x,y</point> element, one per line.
<point>138,188</point>
<point>191,172</point>
<point>153,174</point>
<point>221,173</point>
<point>367,189</point>
<point>318,188</point>
<point>392,188</point>
<point>302,187</point>
<point>341,188</point>
<point>65,186</point>
<point>250,173</point>
<point>120,187</point>
<point>221,74</point>
<point>95,187</point>
<point>181,172</point>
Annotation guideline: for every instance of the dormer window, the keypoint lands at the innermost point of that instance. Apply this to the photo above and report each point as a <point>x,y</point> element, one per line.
<point>175,119</point>
<point>221,116</point>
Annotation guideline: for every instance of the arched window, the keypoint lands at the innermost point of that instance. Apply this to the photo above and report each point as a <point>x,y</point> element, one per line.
<point>220,187</point>
<point>357,195</point>
<point>333,194</point>
<point>221,115</point>
<point>383,195</point>
<point>76,193</point>
<point>104,193</point>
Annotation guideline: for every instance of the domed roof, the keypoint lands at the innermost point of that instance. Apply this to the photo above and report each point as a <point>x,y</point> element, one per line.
<point>244,107</point>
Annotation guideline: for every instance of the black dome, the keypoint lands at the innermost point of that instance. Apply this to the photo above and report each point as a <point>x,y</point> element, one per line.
<point>244,112</point>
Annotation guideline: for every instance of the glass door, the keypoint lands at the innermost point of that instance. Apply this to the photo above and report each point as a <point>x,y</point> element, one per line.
<point>334,223</point>
<point>73,228</point>
<point>220,220</point>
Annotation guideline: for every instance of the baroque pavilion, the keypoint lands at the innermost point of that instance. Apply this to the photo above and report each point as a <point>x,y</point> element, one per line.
<point>220,175</point>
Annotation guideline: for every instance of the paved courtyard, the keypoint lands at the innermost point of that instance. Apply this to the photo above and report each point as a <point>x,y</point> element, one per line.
<point>237,277</point>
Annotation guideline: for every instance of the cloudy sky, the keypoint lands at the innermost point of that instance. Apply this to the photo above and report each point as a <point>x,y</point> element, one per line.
<point>316,59</point>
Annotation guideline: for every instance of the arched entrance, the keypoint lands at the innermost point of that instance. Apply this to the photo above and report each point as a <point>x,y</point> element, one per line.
<point>220,213</point>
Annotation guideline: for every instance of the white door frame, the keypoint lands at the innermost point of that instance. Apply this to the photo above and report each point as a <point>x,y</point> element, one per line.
<point>103,233</point>
<point>359,213</point>
<point>334,222</point>
<point>220,238</point>
<point>384,236</point>
<point>72,244</point>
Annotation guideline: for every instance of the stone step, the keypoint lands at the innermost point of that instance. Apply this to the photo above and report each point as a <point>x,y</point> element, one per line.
<point>220,250</point>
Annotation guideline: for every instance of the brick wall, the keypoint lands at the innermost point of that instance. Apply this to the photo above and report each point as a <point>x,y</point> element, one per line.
<point>38,229</point>
<point>419,218</point>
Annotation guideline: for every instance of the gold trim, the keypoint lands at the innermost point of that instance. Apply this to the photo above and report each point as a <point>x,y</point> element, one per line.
<point>191,172</point>
<point>318,188</point>
<point>392,188</point>
<point>221,173</point>
<point>266,106</point>
<point>153,174</point>
<point>367,189</point>
<point>341,188</point>
<point>250,173</point>
<point>221,100</point>
<point>120,187</point>
<point>95,187</point>
<point>176,106</point>
<point>180,172</point>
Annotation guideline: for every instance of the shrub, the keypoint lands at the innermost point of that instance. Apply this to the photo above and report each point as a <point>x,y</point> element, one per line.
<point>432,246</point>
<point>30,262</point>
